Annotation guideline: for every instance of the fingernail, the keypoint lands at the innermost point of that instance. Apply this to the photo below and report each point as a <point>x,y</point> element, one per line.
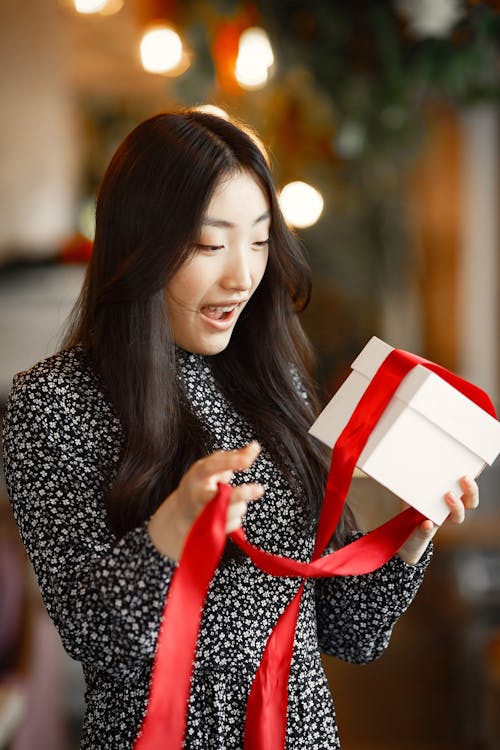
<point>453,497</point>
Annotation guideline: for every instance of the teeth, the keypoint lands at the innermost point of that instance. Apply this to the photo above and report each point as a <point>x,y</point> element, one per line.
<point>219,312</point>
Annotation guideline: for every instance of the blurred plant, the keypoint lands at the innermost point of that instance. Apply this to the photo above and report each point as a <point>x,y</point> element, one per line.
<point>343,110</point>
<point>379,61</point>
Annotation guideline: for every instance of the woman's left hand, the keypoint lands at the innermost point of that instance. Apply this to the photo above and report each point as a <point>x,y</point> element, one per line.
<point>416,544</point>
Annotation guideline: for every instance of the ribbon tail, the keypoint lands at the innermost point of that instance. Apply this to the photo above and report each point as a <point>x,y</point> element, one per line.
<point>265,729</point>
<point>266,717</point>
<point>165,722</point>
<point>371,551</point>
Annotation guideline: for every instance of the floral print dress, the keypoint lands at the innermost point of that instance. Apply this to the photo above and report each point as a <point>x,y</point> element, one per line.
<point>62,443</point>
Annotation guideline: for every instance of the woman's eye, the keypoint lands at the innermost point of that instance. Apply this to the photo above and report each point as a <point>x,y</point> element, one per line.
<point>262,243</point>
<point>209,248</point>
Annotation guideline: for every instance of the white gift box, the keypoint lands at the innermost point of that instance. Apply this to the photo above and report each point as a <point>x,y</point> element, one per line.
<point>428,437</point>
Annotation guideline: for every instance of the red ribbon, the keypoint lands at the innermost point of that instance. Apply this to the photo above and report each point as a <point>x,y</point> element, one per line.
<point>164,725</point>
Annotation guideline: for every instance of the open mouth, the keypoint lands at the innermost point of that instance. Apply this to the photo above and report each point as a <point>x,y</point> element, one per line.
<point>218,313</point>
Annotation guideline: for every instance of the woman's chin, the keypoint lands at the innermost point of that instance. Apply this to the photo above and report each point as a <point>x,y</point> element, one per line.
<point>214,343</point>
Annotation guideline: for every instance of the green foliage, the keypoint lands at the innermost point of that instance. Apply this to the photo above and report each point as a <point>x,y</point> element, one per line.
<point>377,71</point>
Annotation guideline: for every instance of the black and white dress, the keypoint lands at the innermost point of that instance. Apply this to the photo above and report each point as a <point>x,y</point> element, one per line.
<point>62,442</point>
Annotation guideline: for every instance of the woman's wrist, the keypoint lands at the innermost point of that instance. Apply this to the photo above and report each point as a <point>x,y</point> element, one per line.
<point>413,558</point>
<point>168,528</point>
<point>412,552</point>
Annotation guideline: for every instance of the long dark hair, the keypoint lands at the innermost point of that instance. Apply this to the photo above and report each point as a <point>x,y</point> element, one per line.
<point>150,206</point>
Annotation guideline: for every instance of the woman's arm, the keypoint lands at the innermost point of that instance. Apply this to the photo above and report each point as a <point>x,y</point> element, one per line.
<point>356,614</point>
<point>105,596</point>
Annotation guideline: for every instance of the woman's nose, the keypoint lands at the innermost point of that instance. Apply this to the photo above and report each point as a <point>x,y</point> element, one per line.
<point>237,271</point>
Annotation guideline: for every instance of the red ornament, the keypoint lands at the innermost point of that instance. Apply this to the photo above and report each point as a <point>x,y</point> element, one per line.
<point>77,249</point>
<point>225,46</point>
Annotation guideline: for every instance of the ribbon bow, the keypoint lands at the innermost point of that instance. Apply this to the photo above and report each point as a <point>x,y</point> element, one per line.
<point>164,725</point>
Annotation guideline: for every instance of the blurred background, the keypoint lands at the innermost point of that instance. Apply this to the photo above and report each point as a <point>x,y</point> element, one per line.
<point>382,122</point>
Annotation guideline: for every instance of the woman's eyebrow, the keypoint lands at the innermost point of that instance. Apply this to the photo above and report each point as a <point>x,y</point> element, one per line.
<point>211,222</point>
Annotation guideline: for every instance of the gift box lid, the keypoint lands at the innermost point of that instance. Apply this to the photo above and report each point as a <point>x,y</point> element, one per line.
<point>428,394</point>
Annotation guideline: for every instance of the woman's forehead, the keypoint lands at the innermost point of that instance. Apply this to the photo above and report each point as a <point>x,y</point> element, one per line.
<point>240,195</point>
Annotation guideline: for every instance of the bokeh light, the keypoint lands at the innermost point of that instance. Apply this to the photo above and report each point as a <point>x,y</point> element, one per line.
<point>90,6</point>
<point>255,58</point>
<point>301,204</point>
<point>161,49</point>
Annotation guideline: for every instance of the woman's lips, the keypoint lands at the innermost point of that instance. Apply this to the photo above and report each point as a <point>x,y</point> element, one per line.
<point>220,317</point>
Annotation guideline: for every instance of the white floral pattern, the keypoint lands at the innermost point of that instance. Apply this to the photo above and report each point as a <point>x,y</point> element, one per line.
<point>62,443</point>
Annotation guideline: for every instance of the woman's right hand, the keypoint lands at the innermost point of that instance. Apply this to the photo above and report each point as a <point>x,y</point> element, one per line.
<point>171,523</point>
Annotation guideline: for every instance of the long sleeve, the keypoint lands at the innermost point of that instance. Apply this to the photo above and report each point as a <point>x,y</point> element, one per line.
<point>105,596</point>
<point>356,614</point>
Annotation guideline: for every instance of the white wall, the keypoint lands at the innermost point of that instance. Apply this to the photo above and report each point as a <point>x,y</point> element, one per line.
<point>38,142</point>
<point>34,305</point>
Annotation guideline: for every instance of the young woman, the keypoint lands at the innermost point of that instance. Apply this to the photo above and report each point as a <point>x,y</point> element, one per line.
<point>186,350</point>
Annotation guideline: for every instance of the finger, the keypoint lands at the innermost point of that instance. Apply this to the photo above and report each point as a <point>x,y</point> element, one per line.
<point>428,528</point>
<point>470,489</point>
<point>225,477</point>
<point>233,525</point>
<point>416,544</point>
<point>424,532</point>
<point>235,514</point>
<point>238,505</point>
<point>456,506</point>
<point>236,511</point>
<point>246,492</point>
<point>221,462</point>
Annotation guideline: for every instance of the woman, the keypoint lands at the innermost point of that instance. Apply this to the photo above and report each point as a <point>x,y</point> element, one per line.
<point>185,350</point>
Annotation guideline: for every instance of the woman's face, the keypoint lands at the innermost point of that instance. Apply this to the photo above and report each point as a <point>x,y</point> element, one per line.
<point>207,294</point>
